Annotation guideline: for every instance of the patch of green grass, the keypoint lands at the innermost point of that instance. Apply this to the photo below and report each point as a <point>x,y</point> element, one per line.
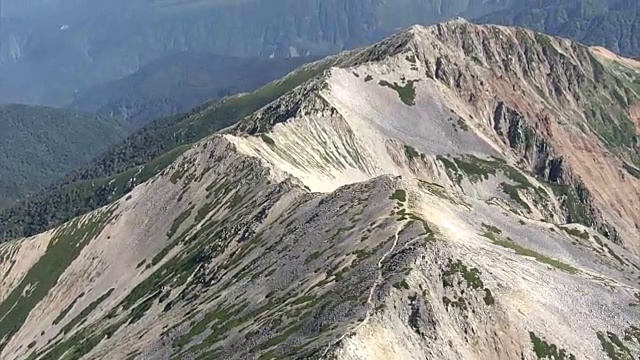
<point>411,58</point>
<point>362,254</point>
<point>401,285</point>
<point>613,346</point>
<point>463,124</point>
<point>411,152</point>
<point>178,221</point>
<point>132,355</point>
<point>435,189</point>
<point>488,297</point>
<point>85,312</point>
<point>478,168</point>
<point>614,255</point>
<point>399,195</point>
<point>303,300</point>
<point>407,93</point>
<point>471,276</point>
<point>632,170</point>
<point>80,343</point>
<point>174,272</point>
<point>65,246</point>
<point>577,233</point>
<point>632,333</point>
<point>448,164</point>
<point>313,256</point>
<point>520,250</point>
<point>268,140</point>
<point>179,173</point>
<point>474,168</point>
<point>544,350</point>
<point>576,209</point>
<point>280,338</point>
<point>491,228</point>
<point>459,303</point>
<point>612,125</point>
<point>218,315</point>
<point>66,310</point>
<point>513,192</point>
<point>138,311</point>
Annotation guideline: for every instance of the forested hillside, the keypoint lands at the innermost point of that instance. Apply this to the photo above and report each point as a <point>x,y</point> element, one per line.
<point>38,145</point>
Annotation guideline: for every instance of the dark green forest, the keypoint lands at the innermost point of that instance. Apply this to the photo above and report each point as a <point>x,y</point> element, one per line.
<point>39,145</point>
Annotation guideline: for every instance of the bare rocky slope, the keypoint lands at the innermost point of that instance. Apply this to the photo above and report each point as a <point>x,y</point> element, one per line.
<point>453,192</point>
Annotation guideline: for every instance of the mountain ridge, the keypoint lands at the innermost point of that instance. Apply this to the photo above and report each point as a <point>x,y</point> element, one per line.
<point>515,110</point>
<point>354,56</point>
<point>384,208</point>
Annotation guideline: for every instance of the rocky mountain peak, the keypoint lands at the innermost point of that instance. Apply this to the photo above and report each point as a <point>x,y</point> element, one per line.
<point>526,94</point>
<point>453,192</point>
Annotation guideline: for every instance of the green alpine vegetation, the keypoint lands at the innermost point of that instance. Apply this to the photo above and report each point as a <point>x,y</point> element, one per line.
<point>545,350</point>
<point>406,92</point>
<point>613,346</point>
<point>508,243</point>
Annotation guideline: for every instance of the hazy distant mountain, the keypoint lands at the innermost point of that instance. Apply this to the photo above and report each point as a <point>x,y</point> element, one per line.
<point>179,82</point>
<point>614,24</point>
<point>52,49</point>
<point>45,59</point>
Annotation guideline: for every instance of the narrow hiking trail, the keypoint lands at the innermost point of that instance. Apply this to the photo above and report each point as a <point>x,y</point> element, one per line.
<point>373,289</point>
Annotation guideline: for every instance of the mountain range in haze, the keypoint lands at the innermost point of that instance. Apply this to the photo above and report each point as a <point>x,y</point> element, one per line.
<point>177,83</point>
<point>51,50</point>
